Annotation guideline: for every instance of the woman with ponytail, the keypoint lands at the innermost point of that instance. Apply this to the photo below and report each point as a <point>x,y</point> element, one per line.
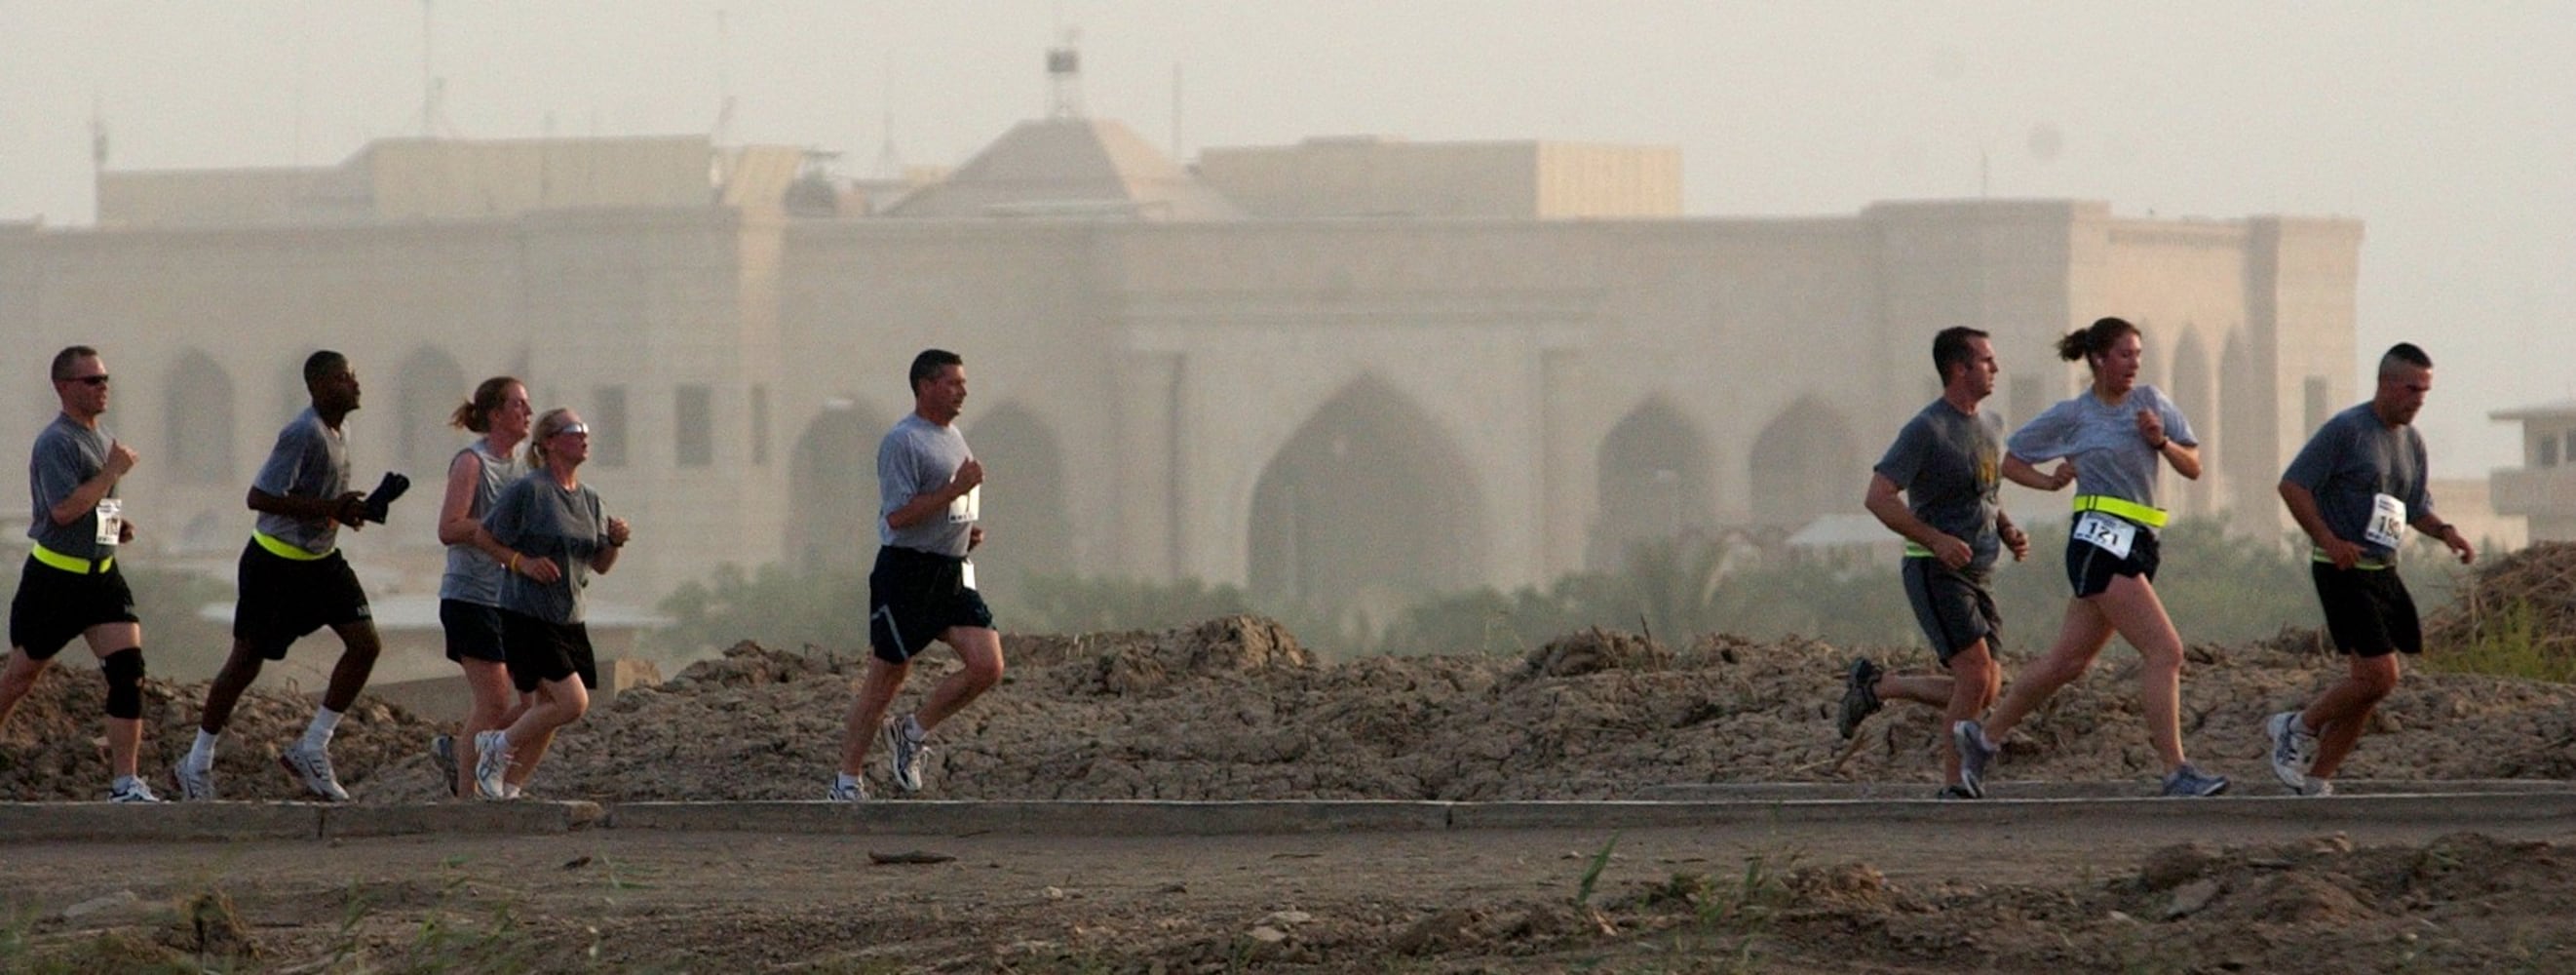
<point>469,593</point>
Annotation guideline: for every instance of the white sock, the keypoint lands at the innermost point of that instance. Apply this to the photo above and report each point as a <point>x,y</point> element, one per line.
<point>318,734</point>
<point>202,754</point>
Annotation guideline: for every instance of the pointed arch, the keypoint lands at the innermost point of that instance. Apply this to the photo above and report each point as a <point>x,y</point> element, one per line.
<point>1655,482</point>
<point>198,422</point>
<point>431,385</point>
<point>832,485</point>
<point>1028,520</point>
<point>1368,505</point>
<point>1805,464</point>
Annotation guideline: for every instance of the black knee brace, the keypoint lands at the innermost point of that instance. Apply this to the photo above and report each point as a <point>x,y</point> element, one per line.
<point>124,672</point>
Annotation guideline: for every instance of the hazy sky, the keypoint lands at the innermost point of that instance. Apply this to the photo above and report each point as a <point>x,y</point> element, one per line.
<point>2449,128</point>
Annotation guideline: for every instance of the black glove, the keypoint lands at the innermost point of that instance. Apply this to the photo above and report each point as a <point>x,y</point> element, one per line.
<point>383,496</point>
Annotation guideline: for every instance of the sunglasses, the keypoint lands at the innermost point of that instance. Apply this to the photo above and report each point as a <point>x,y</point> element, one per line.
<point>97,380</point>
<point>576,429</point>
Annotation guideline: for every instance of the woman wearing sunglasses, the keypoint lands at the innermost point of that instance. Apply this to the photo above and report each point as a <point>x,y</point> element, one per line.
<point>560,536</point>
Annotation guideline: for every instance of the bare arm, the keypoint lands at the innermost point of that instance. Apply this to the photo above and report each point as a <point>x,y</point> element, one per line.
<point>2449,535</point>
<point>1887,501</point>
<point>2020,472</point>
<point>2185,458</point>
<point>2303,509</point>
<point>606,558</point>
<point>120,459</point>
<point>344,509</point>
<point>936,500</point>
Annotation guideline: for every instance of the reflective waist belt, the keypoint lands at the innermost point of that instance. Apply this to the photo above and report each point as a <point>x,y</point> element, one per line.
<point>1916,551</point>
<point>70,563</point>
<point>285,550</point>
<point>2318,555</point>
<point>2106,504</point>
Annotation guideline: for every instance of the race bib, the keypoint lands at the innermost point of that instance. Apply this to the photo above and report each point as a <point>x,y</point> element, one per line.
<point>111,520</point>
<point>2387,522</point>
<point>966,574</point>
<point>968,506</point>
<point>2109,534</point>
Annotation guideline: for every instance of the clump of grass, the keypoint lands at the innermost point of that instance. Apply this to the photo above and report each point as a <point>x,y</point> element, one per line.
<point>2510,643</point>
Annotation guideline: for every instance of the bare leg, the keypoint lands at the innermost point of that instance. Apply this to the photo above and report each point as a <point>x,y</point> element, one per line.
<point>360,645</point>
<point>239,670</point>
<point>17,679</point>
<point>2139,615</point>
<point>1973,674</point>
<point>2079,640</point>
<point>867,711</point>
<point>2343,711</point>
<point>559,703</point>
<point>1932,690</point>
<point>981,649</point>
<point>489,682</point>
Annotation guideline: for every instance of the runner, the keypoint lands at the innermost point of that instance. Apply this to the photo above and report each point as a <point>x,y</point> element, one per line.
<point>2116,438</point>
<point>1938,487</point>
<point>469,594</point>
<point>557,535</point>
<point>293,581</point>
<point>2358,480</point>
<point>923,587</point>
<point>71,585</point>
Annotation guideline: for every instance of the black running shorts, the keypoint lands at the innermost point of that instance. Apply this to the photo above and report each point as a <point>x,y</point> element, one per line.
<point>913,597</point>
<point>2090,567</point>
<point>473,631</point>
<point>1954,609</point>
<point>54,605</point>
<point>283,599</point>
<point>2368,611</point>
<point>541,651</point>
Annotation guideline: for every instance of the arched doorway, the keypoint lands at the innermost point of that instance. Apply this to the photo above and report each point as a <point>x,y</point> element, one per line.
<point>1024,516</point>
<point>199,422</point>
<point>1804,465</point>
<point>1368,506</point>
<point>833,484</point>
<point>1654,484</point>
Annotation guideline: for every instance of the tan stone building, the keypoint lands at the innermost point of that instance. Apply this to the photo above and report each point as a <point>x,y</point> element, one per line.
<point>1341,370</point>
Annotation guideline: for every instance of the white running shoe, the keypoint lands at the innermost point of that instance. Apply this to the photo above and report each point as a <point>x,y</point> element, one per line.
<point>195,784</point>
<point>905,753</point>
<point>491,762</point>
<point>856,791</point>
<point>312,766</point>
<point>132,790</point>
<point>2293,750</point>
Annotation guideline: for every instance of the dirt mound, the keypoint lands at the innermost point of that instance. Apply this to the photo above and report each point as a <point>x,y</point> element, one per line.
<point>52,747</point>
<point>1595,650</point>
<point>2533,588</point>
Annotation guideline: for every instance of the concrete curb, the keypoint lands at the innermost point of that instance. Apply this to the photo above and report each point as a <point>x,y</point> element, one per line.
<point>1066,818</point>
<point>2467,805</point>
<point>2113,789</point>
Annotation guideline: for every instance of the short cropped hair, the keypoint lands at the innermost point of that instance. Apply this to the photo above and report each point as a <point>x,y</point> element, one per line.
<point>1950,348</point>
<point>322,364</point>
<point>63,360</point>
<point>2403,353</point>
<point>926,366</point>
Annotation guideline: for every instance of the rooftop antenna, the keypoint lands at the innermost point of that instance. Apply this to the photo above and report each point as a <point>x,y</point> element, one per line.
<point>433,89</point>
<point>1064,76</point>
<point>723,132</point>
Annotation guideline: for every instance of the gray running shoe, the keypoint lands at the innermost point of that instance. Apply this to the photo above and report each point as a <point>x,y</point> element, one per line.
<point>2190,782</point>
<point>132,791</point>
<point>491,762</point>
<point>856,791</point>
<point>1860,697</point>
<point>905,753</point>
<point>312,766</point>
<point>442,752</point>
<point>1955,791</point>
<point>195,784</point>
<point>1975,758</point>
<point>2293,750</point>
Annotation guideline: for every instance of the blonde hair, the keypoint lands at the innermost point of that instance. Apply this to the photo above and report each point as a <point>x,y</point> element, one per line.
<point>548,424</point>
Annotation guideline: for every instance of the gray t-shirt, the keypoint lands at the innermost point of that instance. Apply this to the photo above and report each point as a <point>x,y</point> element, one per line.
<point>916,457</point>
<point>542,519</point>
<point>1947,463</point>
<point>67,455</point>
<point>311,460</point>
<point>472,576</point>
<point>2102,439</point>
<point>2351,460</point>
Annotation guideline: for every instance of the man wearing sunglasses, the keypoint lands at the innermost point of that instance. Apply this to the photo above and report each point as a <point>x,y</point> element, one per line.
<point>293,581</point>
<point>71,586</point>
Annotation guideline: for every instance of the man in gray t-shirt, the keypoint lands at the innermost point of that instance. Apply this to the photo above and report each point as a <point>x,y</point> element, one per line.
<point>1938,486</point>
<point>292,580</point>
<point>71,586</point>
<point>2354,488</point>
<point>923,587</point>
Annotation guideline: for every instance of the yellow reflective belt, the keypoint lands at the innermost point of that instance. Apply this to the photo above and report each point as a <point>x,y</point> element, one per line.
<point>1913,550</point>
<point>2106,504</point>
<point>282,549</point>
<point>70,564</point>
<point>2318,556</point>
